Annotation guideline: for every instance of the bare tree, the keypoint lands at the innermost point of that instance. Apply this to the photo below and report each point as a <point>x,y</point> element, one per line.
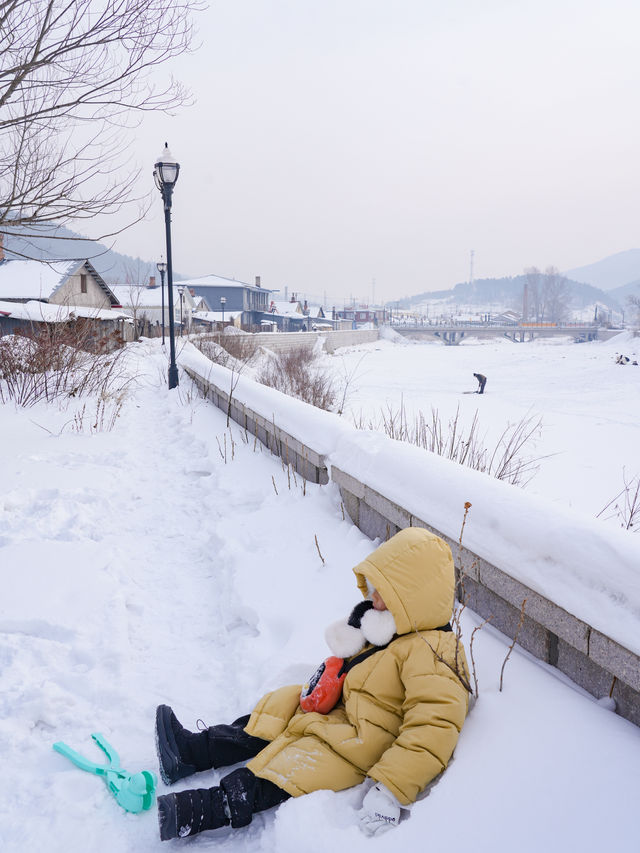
<point>75,78</point>
<point>532,294</point>
<point>555,296</point>
<point>134,280</point>
<point>634,304</point>
<point>546,295</point>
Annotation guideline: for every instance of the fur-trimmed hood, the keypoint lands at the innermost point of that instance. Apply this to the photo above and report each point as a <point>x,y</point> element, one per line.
<point>414,574</point>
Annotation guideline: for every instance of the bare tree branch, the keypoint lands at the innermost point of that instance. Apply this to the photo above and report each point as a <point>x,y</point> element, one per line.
<point>75,78</point>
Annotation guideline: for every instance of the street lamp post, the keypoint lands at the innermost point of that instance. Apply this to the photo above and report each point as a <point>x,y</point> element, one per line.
<point>165,174</point>
<point>223,302</point>
<point>162,268</point>
<point>181,292</point>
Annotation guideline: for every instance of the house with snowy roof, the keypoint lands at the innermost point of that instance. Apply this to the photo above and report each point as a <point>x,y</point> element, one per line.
<point>144,304</point>
<point>58,291</point>
<point>58,282</point>
<point>233,297</point>
<point>288,316</point>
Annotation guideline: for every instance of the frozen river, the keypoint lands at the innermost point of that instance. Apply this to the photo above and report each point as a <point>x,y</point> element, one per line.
<point>589,405</point>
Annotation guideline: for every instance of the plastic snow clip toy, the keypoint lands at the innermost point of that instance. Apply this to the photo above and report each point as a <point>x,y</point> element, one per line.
<point>133,791</point>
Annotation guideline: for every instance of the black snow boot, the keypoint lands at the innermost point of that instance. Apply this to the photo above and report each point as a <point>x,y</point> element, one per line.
<point>180,752</point>
<point>189,812</point>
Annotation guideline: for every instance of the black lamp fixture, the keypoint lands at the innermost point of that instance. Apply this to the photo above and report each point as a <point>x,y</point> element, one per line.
<point>165,173</point>
<point>162,269</point>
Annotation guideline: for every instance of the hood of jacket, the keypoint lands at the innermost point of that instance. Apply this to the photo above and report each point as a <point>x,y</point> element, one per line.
<point>414,573</point>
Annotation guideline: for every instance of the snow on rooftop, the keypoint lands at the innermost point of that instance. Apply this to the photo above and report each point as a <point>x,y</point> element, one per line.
<point>219,281</point>
<point>45,312</point>
<point>29,279</point>
<point>143,296</point>
<point>215,316</point>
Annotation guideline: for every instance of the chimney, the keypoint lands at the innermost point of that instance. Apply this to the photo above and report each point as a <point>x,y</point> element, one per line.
<point>258,281</point>
<point>152,281</point>
<point>305,307</point>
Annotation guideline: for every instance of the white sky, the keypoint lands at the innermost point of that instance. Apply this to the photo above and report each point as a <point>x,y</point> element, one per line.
<point>339,142</point>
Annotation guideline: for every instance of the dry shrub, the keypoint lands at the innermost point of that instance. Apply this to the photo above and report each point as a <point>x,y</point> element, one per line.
<point>60,361</point>
<point>228,350</point>
<point>296,372</point>
<point>625,506</point>
<point>465,446</point>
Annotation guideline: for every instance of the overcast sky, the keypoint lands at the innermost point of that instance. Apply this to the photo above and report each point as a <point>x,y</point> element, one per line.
<point>339,142</point>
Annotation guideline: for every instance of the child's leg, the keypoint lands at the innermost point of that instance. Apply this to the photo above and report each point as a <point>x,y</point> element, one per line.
<point>230,744</point>
<point>239,796</point>
<point>182,753</point>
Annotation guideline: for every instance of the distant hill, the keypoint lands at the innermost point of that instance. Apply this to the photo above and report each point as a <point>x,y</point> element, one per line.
<point>622,293</point>
<point>508,293</point>
<point>611,272</point>
<point>60,242</point>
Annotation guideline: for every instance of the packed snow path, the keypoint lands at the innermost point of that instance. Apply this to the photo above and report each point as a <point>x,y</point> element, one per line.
<point>141,566</point>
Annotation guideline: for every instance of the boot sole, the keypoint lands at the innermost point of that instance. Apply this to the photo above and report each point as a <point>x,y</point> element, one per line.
<point>167,817</point>
<point>171,766</point>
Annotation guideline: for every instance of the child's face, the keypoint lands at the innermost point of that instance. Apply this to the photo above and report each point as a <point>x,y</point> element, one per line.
<point>378,603</point>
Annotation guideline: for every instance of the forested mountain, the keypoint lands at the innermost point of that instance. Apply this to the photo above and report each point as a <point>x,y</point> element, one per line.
<point>509,293</point>
<point>60,242</point>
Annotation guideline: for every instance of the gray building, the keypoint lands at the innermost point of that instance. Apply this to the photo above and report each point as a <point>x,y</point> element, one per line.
<point>229,296</point>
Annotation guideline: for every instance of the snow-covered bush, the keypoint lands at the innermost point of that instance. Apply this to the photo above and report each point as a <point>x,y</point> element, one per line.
<point>506,461</point>
<point>232,350</point>
<point>297,372</point>
<point>58,363</point>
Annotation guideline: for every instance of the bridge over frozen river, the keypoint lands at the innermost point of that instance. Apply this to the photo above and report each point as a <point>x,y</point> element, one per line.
<point>453,333</point>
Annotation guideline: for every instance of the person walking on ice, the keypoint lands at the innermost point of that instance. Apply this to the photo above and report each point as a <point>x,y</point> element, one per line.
<point>396,723</point>
<point>482,381</point>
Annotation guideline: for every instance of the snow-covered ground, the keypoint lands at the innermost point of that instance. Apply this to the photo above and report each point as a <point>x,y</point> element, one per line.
<point>171,560</point>
<point>589,405</point>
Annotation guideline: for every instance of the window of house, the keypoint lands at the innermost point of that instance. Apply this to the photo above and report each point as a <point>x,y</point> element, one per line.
<point>83,283</point>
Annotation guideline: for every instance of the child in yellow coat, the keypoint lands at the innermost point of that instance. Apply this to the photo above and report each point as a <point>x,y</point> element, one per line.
<point>397,722</point>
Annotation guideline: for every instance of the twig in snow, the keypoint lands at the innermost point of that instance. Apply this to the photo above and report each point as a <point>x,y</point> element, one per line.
<point>513,642</point>
<point>473,662</point>
<point>318,547</point>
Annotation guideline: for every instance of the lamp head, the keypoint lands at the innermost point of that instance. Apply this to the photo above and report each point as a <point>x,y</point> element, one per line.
<point>166,169</point>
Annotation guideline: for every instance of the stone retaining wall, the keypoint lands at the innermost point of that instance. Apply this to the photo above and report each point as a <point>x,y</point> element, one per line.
<point>589,658</point>
<point>305,460</point>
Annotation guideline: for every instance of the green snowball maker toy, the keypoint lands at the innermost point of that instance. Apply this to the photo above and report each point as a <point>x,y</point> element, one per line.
<point>133,791</point>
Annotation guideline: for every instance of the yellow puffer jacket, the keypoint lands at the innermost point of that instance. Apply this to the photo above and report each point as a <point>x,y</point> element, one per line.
<point>403,707</point>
